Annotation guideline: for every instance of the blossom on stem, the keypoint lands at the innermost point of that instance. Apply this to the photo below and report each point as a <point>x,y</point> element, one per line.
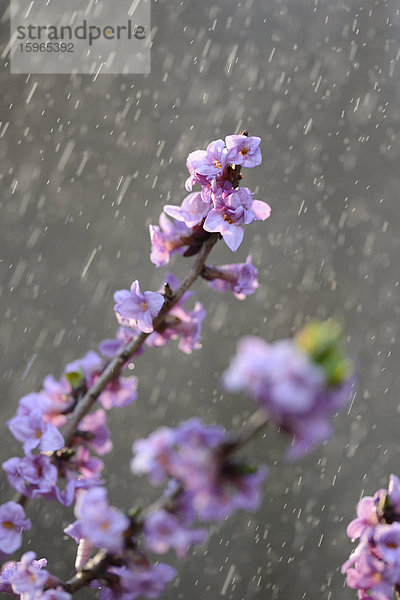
<point>208,162</point>
<point>98,522</point>
<point>231,210</point>
<point>374,567</point>
<point>26,578</point>
<point>95,432</point>
<point>110,347</point>
<point>138,579</point>
<point>32,475</point>
<point>192,455</point>
<point>180,322</point>
<point>164,530</point>
<point>191,212</point>
<point>12,524</point>
<point>240,278</point>
<point>136,308</point>
<point>300,383</point>
<point>166,239</point>
<point>243,150</point>
<point>33,432</point>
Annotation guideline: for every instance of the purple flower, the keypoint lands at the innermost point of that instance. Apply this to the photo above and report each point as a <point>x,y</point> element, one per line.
<point>232,209</point>
<point>138,308</point>
<point>119,392</point>
<point>153,455</point>
<point>166,239</point>
<point>33,432</point>
<point>163,530</point>
<point>232,490</point>
<point>68,495</point>
<point>387,541</point>
<point>292,387</point>
<point>83,465</point>
<point>196,159</point>
<point>98,522</point>
<point>59,397</point>
<point>366,518</point>
<point>139,580</point>
<point>192,211</point>
<point>190,454</point>
<point>33,403</point>
<point>180,323</point>
<point>12,525</point>
<point>240,278</point>
<point>374,566</point>
<point>243,150</point>
<point>394,493</point>
<point>227,219</point>
<point>371,575</point>
<point>110,348</point>
<point>29,577</point>
<point>97,434</point>
<point>208,162</point>
<point>32,475</point>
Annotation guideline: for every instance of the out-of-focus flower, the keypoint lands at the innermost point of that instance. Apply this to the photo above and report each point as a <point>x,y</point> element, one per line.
<point>192,455</point>
<point>142,579</point>
<point>34,432</point>
<point>164,530</point>
<point>98,522</point>
<point>300,383</point>
<point>12,524</point>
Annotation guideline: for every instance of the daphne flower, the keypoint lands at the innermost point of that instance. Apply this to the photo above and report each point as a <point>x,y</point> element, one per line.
<point>163,530</point>
<point>192,211</point>
<point>12,525</point>
<point>138,308</point>
<point>166,239</point>
<point>96,431</point>
<point>98,522</point>
<point>240,278</point>
<point>31,475</point>
<point>29,578</point>
<point>208,162</point>
<point>366,518</point>
<point>243,150</point>
<point>142,579</point>
<point>33,432</point>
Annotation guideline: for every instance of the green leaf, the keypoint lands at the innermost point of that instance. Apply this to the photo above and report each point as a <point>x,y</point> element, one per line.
<point>75,378</point>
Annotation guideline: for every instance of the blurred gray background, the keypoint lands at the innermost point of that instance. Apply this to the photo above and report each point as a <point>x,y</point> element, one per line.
<point>318,81</point>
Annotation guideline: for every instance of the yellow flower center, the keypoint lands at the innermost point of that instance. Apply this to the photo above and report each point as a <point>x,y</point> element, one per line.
<point>217,164</point>
<point>8,525</point>
<point>145,306</point>
<point>244,151</point>
<point>226,218</point>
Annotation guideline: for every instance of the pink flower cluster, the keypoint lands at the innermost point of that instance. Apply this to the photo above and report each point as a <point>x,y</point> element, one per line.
<point>374,567</point>
<point>219,207</point>
<point>36,425</point>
